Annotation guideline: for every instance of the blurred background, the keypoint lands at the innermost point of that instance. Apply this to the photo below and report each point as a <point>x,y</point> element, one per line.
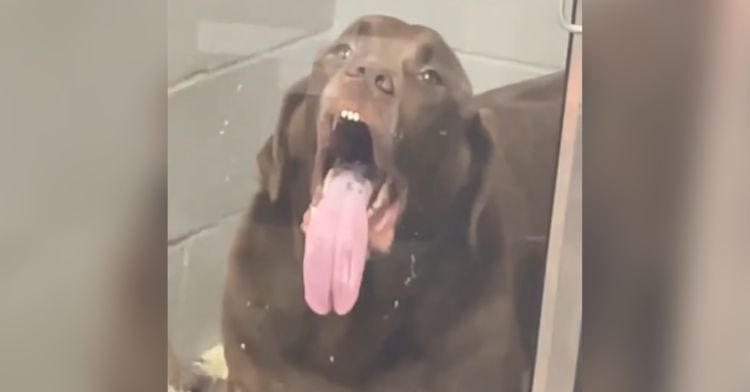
<point>83,117</point>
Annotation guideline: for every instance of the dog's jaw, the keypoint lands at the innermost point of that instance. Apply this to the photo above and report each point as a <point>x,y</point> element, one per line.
<point>337,120</point>
<point>357,200</point>
<point>383,215</point>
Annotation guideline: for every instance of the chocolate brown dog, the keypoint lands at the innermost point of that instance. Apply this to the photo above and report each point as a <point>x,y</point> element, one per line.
<point>398,240</point>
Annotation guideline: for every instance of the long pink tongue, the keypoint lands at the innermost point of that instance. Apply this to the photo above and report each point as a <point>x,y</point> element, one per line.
<point>336,245</point>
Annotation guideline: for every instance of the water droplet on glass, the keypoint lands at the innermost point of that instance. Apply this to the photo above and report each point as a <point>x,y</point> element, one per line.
<point>226,178</point>
<point>247,304</point>
<point>443,132</point>
<point>266,307</point>
<point>386,317</point>
<point>395,304</point>
<point>331,359</point>
<point>221,131</point>
<point>242,346</point>
<point>226,123</point>
<point>412,271</point>
<point>239,87</point>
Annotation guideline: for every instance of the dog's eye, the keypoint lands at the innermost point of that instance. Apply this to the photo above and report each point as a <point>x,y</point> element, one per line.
<point>342,51</point>
<point>430,76</point>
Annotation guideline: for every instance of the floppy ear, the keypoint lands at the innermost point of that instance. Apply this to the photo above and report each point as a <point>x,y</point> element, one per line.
<point>501,188</point>
<point>272,157</point>
<point>483,138</point>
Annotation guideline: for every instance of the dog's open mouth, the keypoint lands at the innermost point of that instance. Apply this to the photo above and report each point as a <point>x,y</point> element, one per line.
<point>355,207</point>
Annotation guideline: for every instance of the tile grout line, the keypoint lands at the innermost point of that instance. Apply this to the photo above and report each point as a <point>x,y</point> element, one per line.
<point>506,60</point>
<point>203,75</point>
<point>189,236</point>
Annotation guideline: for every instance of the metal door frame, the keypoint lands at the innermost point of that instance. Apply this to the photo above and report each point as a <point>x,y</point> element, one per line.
<point>556,366</point>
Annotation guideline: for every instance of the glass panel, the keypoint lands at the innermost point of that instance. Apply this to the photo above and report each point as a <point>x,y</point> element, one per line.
<point>361,202</point>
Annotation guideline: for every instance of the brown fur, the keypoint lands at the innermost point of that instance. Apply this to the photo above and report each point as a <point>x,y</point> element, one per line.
<point>480,172</point>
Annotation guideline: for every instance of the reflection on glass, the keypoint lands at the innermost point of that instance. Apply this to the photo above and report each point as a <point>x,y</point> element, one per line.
<point>399,181</point>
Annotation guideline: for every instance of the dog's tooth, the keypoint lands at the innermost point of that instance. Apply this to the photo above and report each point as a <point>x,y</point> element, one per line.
<point>342,113</point>
<point>335,122</point>
<point>382,196</point>
<point>356,116</point>
<point>378,202</point>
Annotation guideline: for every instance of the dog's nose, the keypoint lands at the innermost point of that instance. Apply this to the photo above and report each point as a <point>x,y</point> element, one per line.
<point>384,82</point>
<point>376,77</point>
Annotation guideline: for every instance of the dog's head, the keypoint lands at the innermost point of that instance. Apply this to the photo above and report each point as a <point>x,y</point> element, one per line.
<point>387,134</point>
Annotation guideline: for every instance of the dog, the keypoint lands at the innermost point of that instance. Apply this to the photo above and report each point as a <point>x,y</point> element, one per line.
<point>398,238</point>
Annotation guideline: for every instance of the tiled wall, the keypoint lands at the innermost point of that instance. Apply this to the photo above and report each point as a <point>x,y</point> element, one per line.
<point>498,41</point>
<point>229,62</point>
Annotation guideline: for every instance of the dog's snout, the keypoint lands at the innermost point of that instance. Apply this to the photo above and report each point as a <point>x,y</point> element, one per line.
<point>376,77</point>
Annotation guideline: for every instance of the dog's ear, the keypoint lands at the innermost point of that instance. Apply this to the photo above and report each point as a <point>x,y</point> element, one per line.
<point>486,148</point>
<point>272,157</point>
<point>500,187</point>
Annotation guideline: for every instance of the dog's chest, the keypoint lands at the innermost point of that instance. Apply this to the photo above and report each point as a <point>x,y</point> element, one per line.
<point>360,339</point>
<point>377,335</point>
<point>408,301</point>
